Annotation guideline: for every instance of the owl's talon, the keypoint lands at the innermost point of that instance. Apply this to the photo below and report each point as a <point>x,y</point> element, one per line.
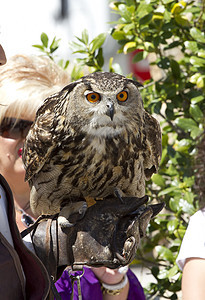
<point>64,223</point>
<point>83,209</point>
<point>117,194</point>
<point>71,214</point>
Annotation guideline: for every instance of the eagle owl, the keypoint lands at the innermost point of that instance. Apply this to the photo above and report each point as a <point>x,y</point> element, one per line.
<point>92,139</point>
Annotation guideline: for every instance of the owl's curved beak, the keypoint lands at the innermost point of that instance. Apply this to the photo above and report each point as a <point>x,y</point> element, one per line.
<point>110,110</point>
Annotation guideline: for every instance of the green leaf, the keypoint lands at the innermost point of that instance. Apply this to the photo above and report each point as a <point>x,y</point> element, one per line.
<point>188,196</point>
<point>196,112</point>
<point>157,107</point>
<point>98,42</point>
<point>164,155</point>
<point>155,271</point>
<point>146,19</point>
<point>165,253</point>
<point>192,46</point>
<point>66,64</point>
<point>167,1</point>
<point>200,81</point>
<point>164,63</point>
<point>144,8</point>
<point>163,274</point>
<point>197,35</point>
<point>179,233</point>
<point>178,8</point>
<point>201,53</point>
<point>139,56</point>
<point>76,72</point>
<point>54,45</point>
<point>129,47</point>
<point>197,99</point>
<point>127,28</point>
<point>126,15</point>
<point>173,271</point>
<point>158,19</point>
<point>174,204</point>
<point>193,79</point>
<point>62,64</point>
<point>182,20</point>
<point>85,36</point>
<point>171,153</point>
<point>186,207</point>
<point>149,47</point>
<point>44,39</point>
<point>110,64</point>
<point>168,190</point>
<point>197,61</point>
<point>196,131</point>
<point>159,180</point>
<point>172,45</point>
<point>77,48</point>
<point>172,225</point>
<point>118,35</point>
<point>183,145</point>
<point>186,123</point>
<point>39,47</point>
<point>100,58</point>
<point>175,68</point>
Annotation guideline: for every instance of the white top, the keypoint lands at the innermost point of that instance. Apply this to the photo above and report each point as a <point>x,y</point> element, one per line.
<point>4,224</point>
<point>193,244</point>
<point>28,242</point>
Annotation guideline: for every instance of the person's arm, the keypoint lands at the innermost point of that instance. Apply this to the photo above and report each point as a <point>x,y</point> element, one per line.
<point>112,277</point>
<point>193,279</point>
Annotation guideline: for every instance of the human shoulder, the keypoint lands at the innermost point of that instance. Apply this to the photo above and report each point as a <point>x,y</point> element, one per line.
<point>193,244</point>
<point>4,224</point>
<point>5,187</point>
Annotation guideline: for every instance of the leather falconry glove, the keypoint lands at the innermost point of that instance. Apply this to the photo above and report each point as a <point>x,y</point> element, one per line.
<point>108,235</point>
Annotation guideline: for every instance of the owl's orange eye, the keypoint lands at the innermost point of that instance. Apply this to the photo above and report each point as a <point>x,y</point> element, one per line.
<point>122,96</point>
<point>93,97</point>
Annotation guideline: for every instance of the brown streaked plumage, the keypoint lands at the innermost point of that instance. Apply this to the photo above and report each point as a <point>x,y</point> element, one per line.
<point>90,139</point>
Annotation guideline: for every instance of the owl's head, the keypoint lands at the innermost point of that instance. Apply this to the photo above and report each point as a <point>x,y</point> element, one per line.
<point>105,102</point>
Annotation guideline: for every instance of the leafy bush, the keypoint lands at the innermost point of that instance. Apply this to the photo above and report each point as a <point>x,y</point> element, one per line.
<point>172,32</point>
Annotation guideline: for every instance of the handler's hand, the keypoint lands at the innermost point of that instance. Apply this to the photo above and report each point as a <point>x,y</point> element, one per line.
<point>109,276</point>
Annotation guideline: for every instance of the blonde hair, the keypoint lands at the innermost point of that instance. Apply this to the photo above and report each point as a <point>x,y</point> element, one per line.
<point>25,81</point>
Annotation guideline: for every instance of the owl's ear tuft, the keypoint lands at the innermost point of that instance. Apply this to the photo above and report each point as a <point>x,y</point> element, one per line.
<point>137,83</point>
<point>68,88</point>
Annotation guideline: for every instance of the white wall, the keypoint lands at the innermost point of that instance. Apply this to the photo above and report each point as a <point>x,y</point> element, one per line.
<point>23,21</point>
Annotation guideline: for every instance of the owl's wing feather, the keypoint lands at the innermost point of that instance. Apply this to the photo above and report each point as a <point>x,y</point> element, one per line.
<point>39,142</point>
<point>153,150</point>
<point>38,146</point>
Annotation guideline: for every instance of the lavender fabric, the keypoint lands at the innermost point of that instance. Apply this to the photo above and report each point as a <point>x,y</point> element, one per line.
<point>91,288</point>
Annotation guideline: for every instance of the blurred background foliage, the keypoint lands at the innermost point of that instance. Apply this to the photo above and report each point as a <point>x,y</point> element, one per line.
<point>170,35</point>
